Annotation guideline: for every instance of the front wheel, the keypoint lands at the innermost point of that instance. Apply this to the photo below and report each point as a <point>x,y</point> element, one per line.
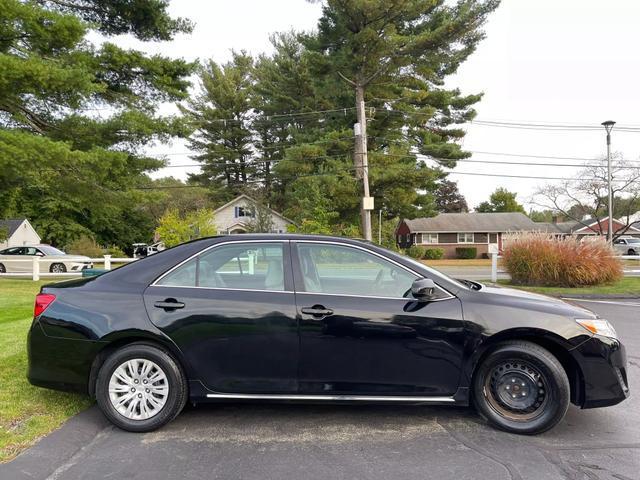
<point>521,388</point>
<point>58,268</point>
<point>631,252</point>
<point>141,388</point>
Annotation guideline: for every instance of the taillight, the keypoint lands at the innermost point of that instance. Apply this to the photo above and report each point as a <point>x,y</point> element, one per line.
<point>43,300</point>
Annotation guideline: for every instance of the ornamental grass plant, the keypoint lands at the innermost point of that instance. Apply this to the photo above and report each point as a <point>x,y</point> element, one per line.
<point>538,259</point>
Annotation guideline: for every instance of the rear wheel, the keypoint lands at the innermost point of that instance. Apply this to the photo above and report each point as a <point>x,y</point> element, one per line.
<point>140,388</point>
<point>522,388</point>
<point>58,268</point>
<point>2,269</point>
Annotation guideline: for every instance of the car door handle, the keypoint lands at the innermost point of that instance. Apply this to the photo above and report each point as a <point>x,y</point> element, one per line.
<point>169,304</point>
<point>317,311</point>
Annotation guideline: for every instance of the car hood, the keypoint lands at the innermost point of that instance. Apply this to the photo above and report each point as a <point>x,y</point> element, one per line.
<point>533,299</point>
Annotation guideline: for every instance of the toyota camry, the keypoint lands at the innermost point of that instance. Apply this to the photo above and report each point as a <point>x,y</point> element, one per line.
<point>316,319</point>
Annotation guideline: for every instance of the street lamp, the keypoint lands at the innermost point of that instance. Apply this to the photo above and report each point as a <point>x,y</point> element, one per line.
<point>608,126</point>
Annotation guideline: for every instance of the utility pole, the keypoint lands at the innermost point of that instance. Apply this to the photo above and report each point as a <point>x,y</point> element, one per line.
<point>380,226</point>
<point>362,163</point>
<point>608,126</point>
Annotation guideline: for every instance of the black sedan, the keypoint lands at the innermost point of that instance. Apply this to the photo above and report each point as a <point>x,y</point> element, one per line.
<point>313,318</point>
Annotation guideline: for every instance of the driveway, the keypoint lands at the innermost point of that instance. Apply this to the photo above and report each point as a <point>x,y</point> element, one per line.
<point>249,441</point>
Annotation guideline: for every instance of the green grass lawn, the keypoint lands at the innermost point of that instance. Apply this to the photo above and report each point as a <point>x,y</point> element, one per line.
<point>626,286</point>
<point>26,412</point>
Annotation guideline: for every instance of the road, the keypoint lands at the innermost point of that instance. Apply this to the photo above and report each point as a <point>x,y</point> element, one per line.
<point>249,441</point>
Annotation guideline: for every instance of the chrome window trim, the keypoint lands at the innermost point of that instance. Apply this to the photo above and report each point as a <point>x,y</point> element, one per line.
<point>226,288</point>
<point>348,245</point>
<point>210,247</point>
<point>406,299</point>
<point>347,398</point>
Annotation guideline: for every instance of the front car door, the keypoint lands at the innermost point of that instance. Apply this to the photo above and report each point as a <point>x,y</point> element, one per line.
<point>231,310</point>
<point>361,332</point>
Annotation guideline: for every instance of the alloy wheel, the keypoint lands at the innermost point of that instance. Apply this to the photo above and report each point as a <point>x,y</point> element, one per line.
<point>58,268</point>
<point>138,389</point>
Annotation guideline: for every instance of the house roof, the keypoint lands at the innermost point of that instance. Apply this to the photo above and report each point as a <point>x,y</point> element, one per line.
<point>12,224</point>
<point>474,222</point>
<point>255,202</point>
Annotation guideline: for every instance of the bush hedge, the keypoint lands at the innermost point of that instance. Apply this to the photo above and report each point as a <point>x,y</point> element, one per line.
<point>415,251</point>
<point>541,260</point>
<point>433,253</point>
<point>466,253</point>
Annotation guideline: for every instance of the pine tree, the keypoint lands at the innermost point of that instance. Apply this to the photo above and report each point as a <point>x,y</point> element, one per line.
<point>74,116</point>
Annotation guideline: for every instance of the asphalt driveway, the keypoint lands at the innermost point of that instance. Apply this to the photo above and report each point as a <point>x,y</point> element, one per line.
<point>250,441</point>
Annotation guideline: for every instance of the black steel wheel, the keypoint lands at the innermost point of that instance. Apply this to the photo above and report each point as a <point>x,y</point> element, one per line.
<point>58,268</point>
<point>522,388</point>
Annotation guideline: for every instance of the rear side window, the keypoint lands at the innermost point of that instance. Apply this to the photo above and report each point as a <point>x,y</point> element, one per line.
<point>244,266</point>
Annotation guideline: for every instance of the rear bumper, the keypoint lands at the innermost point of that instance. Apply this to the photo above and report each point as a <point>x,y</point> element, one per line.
<point>604,367</point>
<point>59,363</point>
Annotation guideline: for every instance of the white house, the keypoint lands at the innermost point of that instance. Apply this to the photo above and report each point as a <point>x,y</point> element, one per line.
<point>233,217</point>
<point>19,232</point>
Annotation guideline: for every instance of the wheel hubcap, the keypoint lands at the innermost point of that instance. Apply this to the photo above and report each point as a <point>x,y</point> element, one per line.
<point>138,389</point>
<point>57,269</point>
<point>516,390</point>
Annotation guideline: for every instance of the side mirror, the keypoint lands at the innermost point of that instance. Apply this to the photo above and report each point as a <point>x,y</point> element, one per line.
<point>423,289</point>
<point>39,254</point>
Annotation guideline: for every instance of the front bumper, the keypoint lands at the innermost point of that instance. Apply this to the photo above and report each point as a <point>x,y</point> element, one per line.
<point>603,362</point>
<point>77,266</point>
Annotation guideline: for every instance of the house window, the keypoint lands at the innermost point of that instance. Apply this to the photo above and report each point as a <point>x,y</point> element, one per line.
<point>241,212</point>
<point>465,238</point>
<point>430,238</point>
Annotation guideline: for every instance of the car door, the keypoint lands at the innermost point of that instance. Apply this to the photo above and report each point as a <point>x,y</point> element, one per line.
<point>231,311</point>
<point>7,257</point>
<point>362,333</point>
<point>20,261</point>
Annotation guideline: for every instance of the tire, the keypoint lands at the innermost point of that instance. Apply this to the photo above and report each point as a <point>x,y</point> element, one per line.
<point>507,380</point>
<point>631,252</point>
<point>58,268</point>
<point>2,268</point>
<point>167,407</point>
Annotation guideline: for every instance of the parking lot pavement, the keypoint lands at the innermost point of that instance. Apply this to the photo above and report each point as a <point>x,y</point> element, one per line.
<point>247,441</point>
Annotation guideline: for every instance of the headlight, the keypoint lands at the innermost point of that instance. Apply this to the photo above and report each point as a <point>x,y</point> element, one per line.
<point>598,327</point>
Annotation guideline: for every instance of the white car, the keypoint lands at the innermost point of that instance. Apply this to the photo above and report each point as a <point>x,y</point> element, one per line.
<point>15,260</point>
<point>627,246</point>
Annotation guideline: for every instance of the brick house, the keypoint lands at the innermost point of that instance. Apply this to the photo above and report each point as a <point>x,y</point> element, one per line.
<point>449,231</point>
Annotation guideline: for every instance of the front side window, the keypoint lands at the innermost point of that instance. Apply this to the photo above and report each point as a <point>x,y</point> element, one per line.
<point>242,266</point>
<point>465,238</point>
<point>341,270</point>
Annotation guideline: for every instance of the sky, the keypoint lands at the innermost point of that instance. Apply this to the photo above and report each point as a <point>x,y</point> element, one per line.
<point>544,61</point>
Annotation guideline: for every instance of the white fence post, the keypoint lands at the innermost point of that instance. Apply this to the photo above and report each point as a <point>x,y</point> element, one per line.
<point>494,267</point>
<point>36,269</point>
<point>107,262</point>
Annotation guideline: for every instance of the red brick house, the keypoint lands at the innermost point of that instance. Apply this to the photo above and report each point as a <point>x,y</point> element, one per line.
<point>449,231</point>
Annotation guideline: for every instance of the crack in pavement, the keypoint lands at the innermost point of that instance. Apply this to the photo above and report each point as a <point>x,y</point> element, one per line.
<point>513,472</point>
<point>77,456</point>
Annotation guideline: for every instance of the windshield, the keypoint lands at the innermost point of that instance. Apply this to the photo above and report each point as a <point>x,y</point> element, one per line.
<point>633,240</point>
<point>49,250</point>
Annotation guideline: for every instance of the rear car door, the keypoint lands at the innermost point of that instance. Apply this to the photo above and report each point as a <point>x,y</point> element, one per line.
<point>361,332</point>
<point>231,310</point>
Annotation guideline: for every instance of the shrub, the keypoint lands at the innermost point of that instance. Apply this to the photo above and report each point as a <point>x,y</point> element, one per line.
<point>115,252</point>
<point>433,253</point>
<point>415,251</point>
<point>466,253</point>
<point>542,260</point>
<point>85,245</point>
